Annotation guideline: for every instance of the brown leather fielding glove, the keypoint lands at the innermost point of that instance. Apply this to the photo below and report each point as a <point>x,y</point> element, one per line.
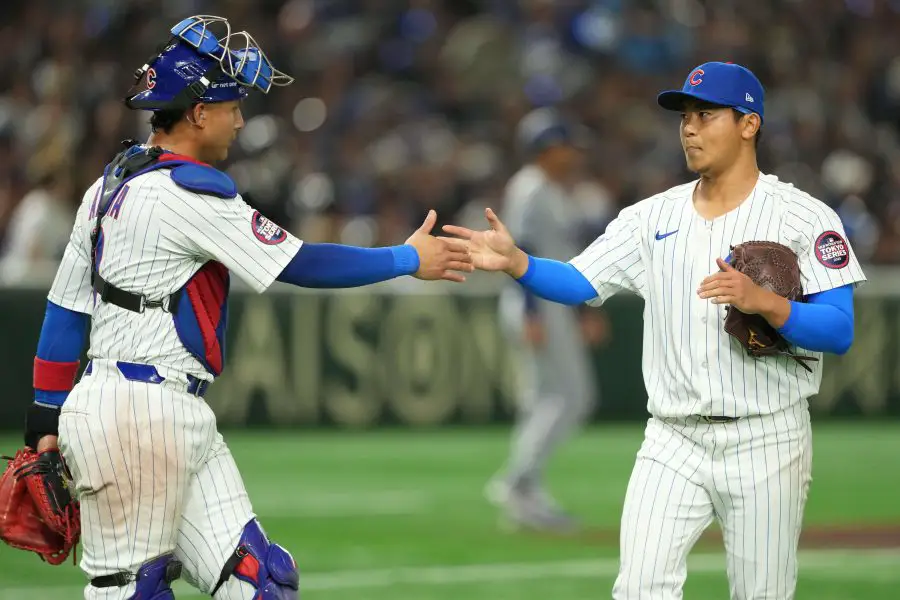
<point>774,267</point>
<point>38,511</point>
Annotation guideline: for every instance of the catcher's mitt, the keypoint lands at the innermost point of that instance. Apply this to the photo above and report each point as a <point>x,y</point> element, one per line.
<point>774,267</point>
<point>38,511</point>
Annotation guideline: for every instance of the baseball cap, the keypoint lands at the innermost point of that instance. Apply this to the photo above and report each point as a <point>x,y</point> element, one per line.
<point>725,84</point>
<point>545,127</point>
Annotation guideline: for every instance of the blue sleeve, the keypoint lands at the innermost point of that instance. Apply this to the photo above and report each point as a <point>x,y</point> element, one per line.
<point>822,324</point>
<point>62,340</point>
<point>339,266</point>
<point>556,281</point>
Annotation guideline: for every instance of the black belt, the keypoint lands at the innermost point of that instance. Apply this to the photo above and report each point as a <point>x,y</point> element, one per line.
<point>715,419</point>
<point>130,301</point>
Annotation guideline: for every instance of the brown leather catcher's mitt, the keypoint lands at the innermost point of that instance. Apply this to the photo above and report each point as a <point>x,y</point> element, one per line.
<point>774,267</point>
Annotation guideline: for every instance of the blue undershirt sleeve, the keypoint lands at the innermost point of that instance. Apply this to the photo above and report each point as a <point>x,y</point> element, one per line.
<point>339,266</point>
<point>824,323</point>
<point>61,340</point>
<point>556,281</point>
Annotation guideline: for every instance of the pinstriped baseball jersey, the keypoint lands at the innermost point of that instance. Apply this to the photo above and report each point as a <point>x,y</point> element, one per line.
<point>155,236</point>
<point>661,249</point>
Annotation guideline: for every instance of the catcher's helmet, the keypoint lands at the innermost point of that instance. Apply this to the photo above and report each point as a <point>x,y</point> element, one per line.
<point>196,66</point>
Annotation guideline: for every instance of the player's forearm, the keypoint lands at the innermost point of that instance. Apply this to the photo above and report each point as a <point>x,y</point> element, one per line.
<point>777,309</point>
<point>55,367</point>
<point>532,302</point>
<point>59,349</point>
<point>339,266</point>
<point>556,281</point>
<point>518,264</point>
<point>824,324</point>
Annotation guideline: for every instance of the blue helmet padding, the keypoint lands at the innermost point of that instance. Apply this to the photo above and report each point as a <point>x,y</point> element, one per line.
<point>245,63</point>
<point>195,33</point>
<point>250,65</point>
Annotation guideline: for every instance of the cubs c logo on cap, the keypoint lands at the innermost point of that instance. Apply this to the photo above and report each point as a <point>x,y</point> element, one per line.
<point>151,78</point>
<point>696,77</point>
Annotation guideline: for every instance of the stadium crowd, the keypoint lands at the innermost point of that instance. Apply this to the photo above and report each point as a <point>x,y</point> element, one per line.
<point>402,105</point>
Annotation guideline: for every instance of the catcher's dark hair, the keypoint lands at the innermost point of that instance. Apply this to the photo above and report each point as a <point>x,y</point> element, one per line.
<point>737,117</point>
<point>165,120</point>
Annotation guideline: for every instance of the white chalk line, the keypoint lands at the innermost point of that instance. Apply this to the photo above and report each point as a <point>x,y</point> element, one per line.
<point>831,565</point>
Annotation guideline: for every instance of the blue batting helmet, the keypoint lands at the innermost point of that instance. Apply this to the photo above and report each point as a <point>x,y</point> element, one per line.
<point>197,66</point>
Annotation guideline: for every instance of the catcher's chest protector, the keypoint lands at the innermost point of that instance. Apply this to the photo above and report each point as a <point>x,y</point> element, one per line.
<point>199,309</point>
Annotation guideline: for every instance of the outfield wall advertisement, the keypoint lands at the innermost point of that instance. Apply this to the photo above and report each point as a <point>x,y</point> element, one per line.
<point>361,360</point>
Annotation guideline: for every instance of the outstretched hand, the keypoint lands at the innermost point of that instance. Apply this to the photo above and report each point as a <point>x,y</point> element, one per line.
<point>439,257</point>
<point>493,249</point>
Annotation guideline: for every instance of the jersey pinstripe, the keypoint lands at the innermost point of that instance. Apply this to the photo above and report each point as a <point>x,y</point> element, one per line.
<point>151,471</point>
<point>156,235</point>
<point>153,475</point>
<point>661,248</point>
<point>752,474</point>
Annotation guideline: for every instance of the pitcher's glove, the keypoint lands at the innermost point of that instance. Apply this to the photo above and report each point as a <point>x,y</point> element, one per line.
<point>38,510</point>
<point>774,267</point>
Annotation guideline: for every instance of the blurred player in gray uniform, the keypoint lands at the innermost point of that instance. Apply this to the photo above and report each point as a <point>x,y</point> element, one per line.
<point>556,382</point>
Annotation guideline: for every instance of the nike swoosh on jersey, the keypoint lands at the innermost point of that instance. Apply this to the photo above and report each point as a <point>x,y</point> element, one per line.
<point>660,236</point>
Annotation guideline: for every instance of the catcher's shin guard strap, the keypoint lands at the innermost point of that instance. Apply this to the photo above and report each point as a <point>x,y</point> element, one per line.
<point>152,582</point>
<point>268,567</point>
<point>40,421</point>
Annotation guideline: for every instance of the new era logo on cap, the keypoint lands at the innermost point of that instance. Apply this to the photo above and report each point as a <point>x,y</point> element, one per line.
<point>724,84</point>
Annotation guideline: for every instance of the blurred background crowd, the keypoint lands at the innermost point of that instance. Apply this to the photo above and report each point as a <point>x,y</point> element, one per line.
<point>404,105</point>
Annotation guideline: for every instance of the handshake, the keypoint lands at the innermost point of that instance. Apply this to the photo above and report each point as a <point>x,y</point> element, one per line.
<point>444,257</point>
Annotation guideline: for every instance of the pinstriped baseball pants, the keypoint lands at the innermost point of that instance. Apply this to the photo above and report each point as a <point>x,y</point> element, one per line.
<point>751,475</point>
<point>153,475</point>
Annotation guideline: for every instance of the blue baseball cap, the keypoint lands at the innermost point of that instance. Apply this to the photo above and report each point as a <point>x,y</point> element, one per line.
<point>725,84</point>
<point>545,127</point>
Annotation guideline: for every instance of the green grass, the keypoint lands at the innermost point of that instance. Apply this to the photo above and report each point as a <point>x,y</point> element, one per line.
<point>346,504</point>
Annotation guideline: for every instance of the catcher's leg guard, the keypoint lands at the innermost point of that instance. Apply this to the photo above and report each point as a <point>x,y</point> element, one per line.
<point>266,566</point>
<point>152,582</point>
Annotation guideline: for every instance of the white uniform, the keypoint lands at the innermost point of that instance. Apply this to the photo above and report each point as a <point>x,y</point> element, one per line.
<point>151,471</point>
<point>751,474</point>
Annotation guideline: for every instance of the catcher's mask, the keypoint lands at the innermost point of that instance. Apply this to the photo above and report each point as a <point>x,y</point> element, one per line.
<point>195,65</point>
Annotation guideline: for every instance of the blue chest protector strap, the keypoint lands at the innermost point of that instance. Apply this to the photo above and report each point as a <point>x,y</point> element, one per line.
<point>127,165</point>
